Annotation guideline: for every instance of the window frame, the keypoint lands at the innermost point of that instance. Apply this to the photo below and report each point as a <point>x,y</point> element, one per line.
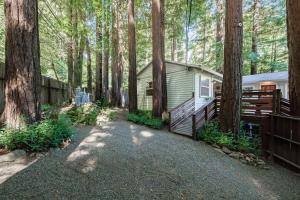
<point>201,86</point>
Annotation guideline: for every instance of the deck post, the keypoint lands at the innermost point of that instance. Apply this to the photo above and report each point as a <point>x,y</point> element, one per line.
<point>194,127</point>
<point>272,138</point>
<point>206,113</point>
<point>276,101</point>
<point>170,121</point>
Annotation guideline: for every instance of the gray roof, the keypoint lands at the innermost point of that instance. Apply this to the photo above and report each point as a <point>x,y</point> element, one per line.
<point>276,76</point>
<point>184,65</point>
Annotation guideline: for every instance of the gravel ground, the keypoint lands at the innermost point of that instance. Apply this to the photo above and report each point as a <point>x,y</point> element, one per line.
<point>125,161</point>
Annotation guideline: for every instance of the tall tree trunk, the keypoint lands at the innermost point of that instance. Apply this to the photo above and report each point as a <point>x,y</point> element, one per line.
<point>116,97</point>
<point>157,58</point>
<point>174,45</point>
<point>70,54</point>
<point>106,51</point>
<point>132,82</point>
<point>164,73</point>
<point>232,88</point>
<point>75,42</point>
<point>99,93</point>
<point>254,36</point>
<point>22,64</point>
<point>89,66</point>
<point>79,63</point>
<point>220,36</point>
<point>293,23</point>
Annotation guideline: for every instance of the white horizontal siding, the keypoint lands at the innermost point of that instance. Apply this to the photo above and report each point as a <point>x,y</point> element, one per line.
<point>180,86</point>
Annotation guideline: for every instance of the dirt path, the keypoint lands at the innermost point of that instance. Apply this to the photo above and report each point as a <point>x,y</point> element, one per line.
<point>126,161</point>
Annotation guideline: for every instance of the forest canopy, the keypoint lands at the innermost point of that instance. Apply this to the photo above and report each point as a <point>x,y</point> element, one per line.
<point>198,20</point>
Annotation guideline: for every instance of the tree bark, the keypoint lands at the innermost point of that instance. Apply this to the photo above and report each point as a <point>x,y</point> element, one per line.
<point>98,92</point>
<point>293,23</point>
<point>89,67</point>
<point>232,88</point>
<point>22,64</point>
<point>220,36</point>
<point>157,59</point>
<point>164,73</point>
<point>254,35</point>
<point>79,63</point>
<point>106,51</point>
<point>70,59</point>
<point>132,82</point>
<point>116,97</point>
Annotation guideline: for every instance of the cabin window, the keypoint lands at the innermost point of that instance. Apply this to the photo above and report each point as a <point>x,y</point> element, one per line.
<point>268,88</point>
<point>204,87</point>
<point>248,88</point>
<point>149,89</point>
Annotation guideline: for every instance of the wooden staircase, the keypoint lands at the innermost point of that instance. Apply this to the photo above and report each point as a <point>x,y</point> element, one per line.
<point>184,120</point>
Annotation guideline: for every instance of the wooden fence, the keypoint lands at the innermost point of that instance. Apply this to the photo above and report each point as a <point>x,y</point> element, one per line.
<point>53,91</point>
<point>281,139</point>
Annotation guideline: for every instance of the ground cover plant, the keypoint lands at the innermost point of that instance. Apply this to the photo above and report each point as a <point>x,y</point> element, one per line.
<point>212,134</point>
<point>145,118</point>
<point>39,137</point>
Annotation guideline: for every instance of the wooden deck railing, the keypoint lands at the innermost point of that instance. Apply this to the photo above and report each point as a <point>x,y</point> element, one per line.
<point>204,114</point>
<point>257,104</point>
<point>285,107</point>
<point>181,112</point>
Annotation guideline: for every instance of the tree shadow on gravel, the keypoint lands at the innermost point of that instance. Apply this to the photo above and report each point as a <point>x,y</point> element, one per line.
<point>121,160</point>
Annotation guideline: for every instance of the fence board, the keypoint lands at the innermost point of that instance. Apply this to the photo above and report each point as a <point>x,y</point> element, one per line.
<point>52,91</point>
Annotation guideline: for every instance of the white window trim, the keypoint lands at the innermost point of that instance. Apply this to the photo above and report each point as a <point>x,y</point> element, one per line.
<point>200,86</point>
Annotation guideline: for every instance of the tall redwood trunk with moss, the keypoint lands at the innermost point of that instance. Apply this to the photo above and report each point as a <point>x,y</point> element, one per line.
<point>116,73</point>
<point>99,61</point>
<point>132,82</point>
<point>230,111</point>
<point>293,23</point>
<point>22,64</point>
<point>89,67</point>
<point>157,60</point>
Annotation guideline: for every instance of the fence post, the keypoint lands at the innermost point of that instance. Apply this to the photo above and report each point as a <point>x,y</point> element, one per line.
<point>272,138</point>
<point>194,128</point>
<point>170,122</point>
<point>206,113</point>
<point>276,101</point>
<point>49,90</point>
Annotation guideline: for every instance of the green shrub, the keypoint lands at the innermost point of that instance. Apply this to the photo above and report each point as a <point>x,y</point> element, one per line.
<point>86,115</point>
<point>38,137</point>
<point>212,134</point>
<point>103,103</point>
<point>145,118</point>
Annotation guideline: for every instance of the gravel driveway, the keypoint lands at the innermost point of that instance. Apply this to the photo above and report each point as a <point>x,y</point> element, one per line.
<point>125,161</point>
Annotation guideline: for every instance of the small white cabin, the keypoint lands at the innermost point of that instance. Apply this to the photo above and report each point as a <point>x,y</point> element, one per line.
<point>267,82</point>
<point>182,82</point>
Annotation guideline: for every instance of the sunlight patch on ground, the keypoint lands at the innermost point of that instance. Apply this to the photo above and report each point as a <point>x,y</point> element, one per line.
<point>141,138</point>
<point>90,165</point>
<point>263,190</point>
<point>9,169</point>
<point>91,142</point>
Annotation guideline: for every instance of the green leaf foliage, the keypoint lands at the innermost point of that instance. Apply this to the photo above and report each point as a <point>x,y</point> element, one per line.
<point>39,137</point>
<point>145,118</point>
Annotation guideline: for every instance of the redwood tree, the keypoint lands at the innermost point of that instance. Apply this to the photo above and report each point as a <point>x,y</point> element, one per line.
<point>232,88</point>
<point>89,66</point>
<point>98,92</point>
<point>116,73</point>
<point>157,59</point>
<point>132,82</point>
<point>293,23</point>
<point>255,13</point>
<point>22,63</point>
